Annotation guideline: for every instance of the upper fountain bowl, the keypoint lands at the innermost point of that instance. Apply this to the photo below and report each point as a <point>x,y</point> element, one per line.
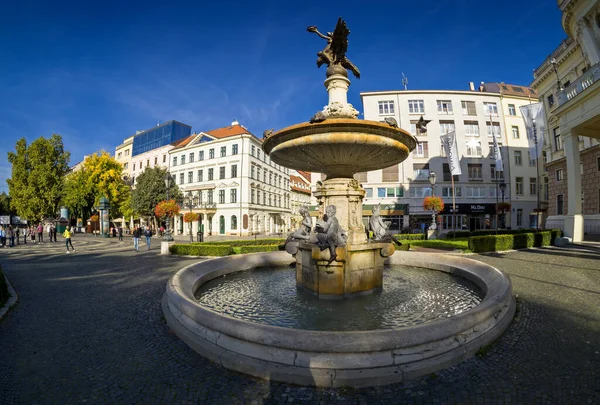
<point>339,147</point>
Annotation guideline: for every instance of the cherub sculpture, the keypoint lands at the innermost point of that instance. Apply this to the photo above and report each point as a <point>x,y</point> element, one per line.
<point>304,232</point>
<point>330,234</point>
<point>337,45</point>
<point>380,228</point>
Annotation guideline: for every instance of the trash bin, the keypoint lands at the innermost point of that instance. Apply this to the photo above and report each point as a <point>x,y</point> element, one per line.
<point>200,236</point>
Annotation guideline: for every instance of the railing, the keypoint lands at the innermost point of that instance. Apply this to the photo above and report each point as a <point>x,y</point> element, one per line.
<point>584,81</point>
<point>204,205</point>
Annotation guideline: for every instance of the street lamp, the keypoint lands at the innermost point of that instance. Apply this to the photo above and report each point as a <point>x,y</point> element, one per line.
<point>502,188</point>
<point>168,236</point>
<point>190,202</point>
<point>433,225</point>
<point>558,83</point>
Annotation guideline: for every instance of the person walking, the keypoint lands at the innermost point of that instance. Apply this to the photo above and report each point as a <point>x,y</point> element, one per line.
<point>67,236</point>
<point>11,236</point>
<point>32,234</point>
<point>54,232</point>
<point>40,232</point>
<point>49,228</point>
<point>17,234</point>
<point>2,236</point>
<point>136,238</point>
<point>148,235</point>
<point>25,235</point>
<point>120,233</point>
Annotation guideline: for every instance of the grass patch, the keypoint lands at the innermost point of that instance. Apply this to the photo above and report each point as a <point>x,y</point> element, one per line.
<point>461,244</point>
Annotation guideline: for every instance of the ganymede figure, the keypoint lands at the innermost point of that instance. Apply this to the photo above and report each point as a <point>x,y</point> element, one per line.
<point>329,233</point>
<point>304,232</point>
<point>380,228</point>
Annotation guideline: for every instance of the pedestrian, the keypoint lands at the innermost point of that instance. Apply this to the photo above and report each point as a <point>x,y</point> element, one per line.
<point>54,232</point>
<point>114,232</point>
<point>17,234</point>
<point>67,236</point>
<point>32,234</point>
<point>49,229</point>
<point>136,238</point>
<point>25,235</point>
<point>148,235</point>
<point>40,232</point>
<point>120,233</point>
<point>3,236</point>
<point>11,236</point>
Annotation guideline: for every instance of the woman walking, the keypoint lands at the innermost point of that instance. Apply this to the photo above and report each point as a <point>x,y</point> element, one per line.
<point>40,231</point>
<point>67,236</point>
<point>32,234</point>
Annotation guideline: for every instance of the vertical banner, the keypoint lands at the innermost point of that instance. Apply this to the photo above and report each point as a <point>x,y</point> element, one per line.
<point>497,155</point>
<point>535,122</point>
<point>451,148</point>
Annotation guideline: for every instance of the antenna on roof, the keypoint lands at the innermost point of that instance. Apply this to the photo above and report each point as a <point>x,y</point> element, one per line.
<point>404,81</point>
<point>157,123</point>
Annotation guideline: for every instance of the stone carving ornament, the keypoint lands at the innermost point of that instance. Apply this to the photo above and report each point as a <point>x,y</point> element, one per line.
<point>330,234</point>
<point>380,228</point>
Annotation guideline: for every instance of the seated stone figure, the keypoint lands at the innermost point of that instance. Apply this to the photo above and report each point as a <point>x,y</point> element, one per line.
<point>329,233</point>
<point>380,228</point>
<point>304,232</point>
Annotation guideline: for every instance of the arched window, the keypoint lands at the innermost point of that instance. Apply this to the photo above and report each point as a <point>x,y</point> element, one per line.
<point>233,222</point>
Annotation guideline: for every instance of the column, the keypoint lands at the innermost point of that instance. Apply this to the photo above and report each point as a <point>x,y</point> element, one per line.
<point>573,225</point>
<point>587,42</point>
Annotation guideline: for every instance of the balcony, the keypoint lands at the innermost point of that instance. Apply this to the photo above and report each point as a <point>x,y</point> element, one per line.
<point>584,81</point>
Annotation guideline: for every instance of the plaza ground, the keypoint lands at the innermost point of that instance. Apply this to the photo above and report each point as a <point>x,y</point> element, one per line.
<point>89,328</point>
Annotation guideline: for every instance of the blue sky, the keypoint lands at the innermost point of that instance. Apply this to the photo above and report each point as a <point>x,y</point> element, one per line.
<point>95,72</point>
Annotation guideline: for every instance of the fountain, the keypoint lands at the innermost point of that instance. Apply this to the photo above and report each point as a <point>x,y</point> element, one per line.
<point>369,345</point>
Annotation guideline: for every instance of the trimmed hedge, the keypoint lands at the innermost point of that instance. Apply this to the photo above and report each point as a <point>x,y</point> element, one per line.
<point>517,240</point>
<point>243,242</point>
<point>259,248</point>
<point>404,247</point>
<point>410,236</point>
<point>3,288</point>
<point>458,234</point>
<point>201,250</point>
<point>466,234</point>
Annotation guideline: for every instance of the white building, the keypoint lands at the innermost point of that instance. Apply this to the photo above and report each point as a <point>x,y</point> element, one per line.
<point>240,191</point>
<point>300,194</point>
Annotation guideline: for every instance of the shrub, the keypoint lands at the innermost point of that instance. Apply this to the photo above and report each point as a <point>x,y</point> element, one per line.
<point>404,247</point>
<point>490,243</point>
<point>410,236</point>
<point>201,250</point>
<point>514,240</point>
<point>244,242</point>
<point>458,234</point>
<point>258,248</point>
<point>3,288</point>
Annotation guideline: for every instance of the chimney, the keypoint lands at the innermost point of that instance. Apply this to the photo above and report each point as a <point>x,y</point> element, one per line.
<point>481,86</point>
<point>471,86</point>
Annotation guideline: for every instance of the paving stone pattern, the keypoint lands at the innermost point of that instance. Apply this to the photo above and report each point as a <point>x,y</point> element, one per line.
<point>89,329</point>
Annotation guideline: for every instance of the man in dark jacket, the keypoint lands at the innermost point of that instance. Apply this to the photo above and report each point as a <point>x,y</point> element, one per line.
<point>136,238</point>
<point>148,235</point>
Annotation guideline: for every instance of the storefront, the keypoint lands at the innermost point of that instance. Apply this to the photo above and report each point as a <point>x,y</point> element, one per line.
<point>472,217</point>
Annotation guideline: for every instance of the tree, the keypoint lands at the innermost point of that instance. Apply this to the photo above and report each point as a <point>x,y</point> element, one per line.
<point>150,189</point>
<point>77,195</point>
<point>5,204</point>
<point>37,177</point>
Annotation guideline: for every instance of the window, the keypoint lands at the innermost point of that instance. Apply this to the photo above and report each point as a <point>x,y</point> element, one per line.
<point>211,174</point>
<point>258,196</point>
<point>221,173</point>
<point>119,155</point>
<point>559,175</point>
<point>471,128</point>
<point>233,171</point>
<point>493,191</point>
<point>252,196</point>
<point>201,155</point>
<point>211,153</point>
<point>155,160</point>
<point>252,171</point>
<point>491,149</point>
<point>270,177</point>
<point>416,107</point>
<point>519,185</point>
<point>532,186</point>
<point>234,150</point>
<point>174,161</point>
<point>361,177</point>
<point>531,160</point>
<point>258,154</point>
<point>518,158</point>
<point>490,109</point>
<point>413,128</point>
<point>390,174</point>
<point>494,173</point>
<point>369,192</point>
<point>474,148</point>
<point>476,192</point>
<point>253,150</point>
<point>386,107</point>
<point>447,192</point>
<point>258,173</point>
<point>493,128</point>
<point>420,192</point>
<point>127,152</point>
<point>468,107</point>
<point>557,139</point>
<point>141,165</point>
<point>191,157</point>
<point>446,173</point>
<point>200,176</point>
<point>134,166</point>
<point>223,151</point>
<point>221,196</point>
<point>181,179</point>
<point>182,159</point>
<point>444,107</point>
<point>546,189</point>
<point>389,192</point>
<point>190,177</point>
<point>515,132</point>
<point>420,172</point>
<point>233,223</point>
<point>598,163</point>
<point>474,170</point>
<point>421,150</point>
<point>233,195</point>
<point>125,165</point>
<point>512,110</point>
<point>446,127</point>
<point>210,195</point>
<point>519,217</point>
<point>164,158</point>
<point>264,198</point>
<point>559,205</point>
<point>265,176</point>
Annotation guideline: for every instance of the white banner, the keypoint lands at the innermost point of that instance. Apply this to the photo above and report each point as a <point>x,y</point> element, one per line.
<point>451,148</point>
<point>497,155</point>
<point>535,122</point>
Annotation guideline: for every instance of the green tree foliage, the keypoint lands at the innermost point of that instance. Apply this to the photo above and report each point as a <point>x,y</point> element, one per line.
<point>150,189</point>
<point>78,196</point>
<point>37,177</point>
<point>5,204</point>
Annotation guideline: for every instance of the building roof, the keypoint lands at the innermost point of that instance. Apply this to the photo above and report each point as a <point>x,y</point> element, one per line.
<point>296,179</point>
<point>304,174</point>
<point>180,143</point>
<point>226,132</point>
<point>509,89</point>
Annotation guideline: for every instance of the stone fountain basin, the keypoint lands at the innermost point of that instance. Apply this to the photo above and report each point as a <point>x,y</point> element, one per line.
<point>339,147</point>
<point>335,359</point>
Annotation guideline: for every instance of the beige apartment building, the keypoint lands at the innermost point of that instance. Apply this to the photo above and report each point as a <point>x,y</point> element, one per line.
<point>568,83</point>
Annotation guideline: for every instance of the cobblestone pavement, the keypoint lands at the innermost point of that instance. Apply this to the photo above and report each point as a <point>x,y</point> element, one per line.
<point>89,328</point>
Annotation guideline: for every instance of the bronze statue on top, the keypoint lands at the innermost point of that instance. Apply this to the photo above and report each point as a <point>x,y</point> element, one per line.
<point>334,54</point>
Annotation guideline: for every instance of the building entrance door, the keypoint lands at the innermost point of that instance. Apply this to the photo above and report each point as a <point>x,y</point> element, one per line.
<point>222,225</point>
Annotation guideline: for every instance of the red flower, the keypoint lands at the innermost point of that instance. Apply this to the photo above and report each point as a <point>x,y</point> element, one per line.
<point>433,204</point>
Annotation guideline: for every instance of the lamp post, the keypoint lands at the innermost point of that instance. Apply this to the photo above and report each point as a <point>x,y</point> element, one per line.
<point>168,236</point>
<point>190,202</point>
<point>502,188</point>
<point>558,83</point>
<point>432,176</point>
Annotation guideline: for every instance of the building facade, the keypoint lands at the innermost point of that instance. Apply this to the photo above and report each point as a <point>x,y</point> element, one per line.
<point>568,83</point>
<point>300,195</point>
<point>238,189</point>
